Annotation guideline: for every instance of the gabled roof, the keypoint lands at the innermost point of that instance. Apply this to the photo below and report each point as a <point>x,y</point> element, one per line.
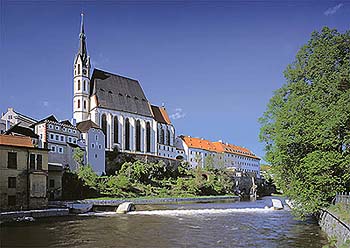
<point>85,126</point>
<point>25,116</point>
<point>17,129</point>
<point>19,141</point>
<point>160,114</point>
<point>119,93</point>
<point>233,149</point>
<point>66,122</point>
<point>49,118</point>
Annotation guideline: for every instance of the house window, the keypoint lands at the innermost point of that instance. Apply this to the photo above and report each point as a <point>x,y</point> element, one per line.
<point>116,122</point>
<point>11,182</point>
<point>50,126</point>
<point>148,137</point>
<point>52,183</point>
<point>138,136</point>
<point>95,155</point>
<point>100,147</point>
<point>60,150</point>
<point>69,139</point>
<point>51,136</point>
<point>92,145</point>
<point>57,137</point>
<point>53,149</point>
<point>12,160</point>
<point>11,200</point>
<point>32,161</point>
<point>57,127</point>
<point>39,161</point>
<point>96,137</point>
<point>78,103</point>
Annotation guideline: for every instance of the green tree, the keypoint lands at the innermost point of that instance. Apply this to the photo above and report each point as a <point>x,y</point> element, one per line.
<point>306,127</point>
<point>209,162</point>
<point>78,156</point>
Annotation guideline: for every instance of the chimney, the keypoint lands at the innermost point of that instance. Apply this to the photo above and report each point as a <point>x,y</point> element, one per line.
<point>74,122</point>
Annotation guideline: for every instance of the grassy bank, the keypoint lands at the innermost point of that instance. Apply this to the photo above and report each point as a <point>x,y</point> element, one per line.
<point>342,211</point>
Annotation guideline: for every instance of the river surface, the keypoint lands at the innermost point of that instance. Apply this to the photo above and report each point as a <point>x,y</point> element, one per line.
<point>225,224</point>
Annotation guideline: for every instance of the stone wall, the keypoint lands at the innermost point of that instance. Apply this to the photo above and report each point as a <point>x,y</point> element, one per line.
<point>335,228</point>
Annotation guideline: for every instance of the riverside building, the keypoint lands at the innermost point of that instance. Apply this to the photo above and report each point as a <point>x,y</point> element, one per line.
<point>201,152</point>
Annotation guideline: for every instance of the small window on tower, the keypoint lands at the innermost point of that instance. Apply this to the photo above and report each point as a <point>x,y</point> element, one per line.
<point>84,85</point>
<point>78,103</point>
<point>78,68</point>
<point>78,84</point>
<point>84,104</point>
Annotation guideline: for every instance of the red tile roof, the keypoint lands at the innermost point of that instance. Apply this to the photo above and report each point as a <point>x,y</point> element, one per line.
<point>218,147</point>
<point>160,114</point>
<point>20,141</point>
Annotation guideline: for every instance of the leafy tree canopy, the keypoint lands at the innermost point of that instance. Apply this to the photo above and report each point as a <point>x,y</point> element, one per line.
<point>306,127</point>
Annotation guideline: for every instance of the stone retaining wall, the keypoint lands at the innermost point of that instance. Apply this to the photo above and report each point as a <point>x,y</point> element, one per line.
<point>12,216</point>
<point>335,228</point>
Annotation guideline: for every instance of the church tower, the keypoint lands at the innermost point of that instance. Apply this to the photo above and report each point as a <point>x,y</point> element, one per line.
<point>81,102</point>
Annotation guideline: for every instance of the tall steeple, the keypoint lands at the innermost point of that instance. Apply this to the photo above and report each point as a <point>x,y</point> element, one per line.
<point>81,98</point>
<point>82,47</point>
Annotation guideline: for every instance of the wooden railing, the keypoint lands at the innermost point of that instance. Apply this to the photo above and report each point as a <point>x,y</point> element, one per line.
<point>342,198</point>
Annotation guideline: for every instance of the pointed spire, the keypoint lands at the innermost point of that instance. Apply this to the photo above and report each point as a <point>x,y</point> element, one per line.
<point>82,47</point>
<point>82,24</point>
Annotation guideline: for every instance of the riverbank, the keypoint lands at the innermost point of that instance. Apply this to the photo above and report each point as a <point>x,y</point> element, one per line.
<point>30,215</point>
<point>337,230</point>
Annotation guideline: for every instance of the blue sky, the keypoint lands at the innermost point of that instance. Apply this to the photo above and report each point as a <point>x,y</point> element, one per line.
<point>213,64</point>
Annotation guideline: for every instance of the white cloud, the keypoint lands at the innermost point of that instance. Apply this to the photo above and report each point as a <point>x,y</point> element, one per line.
<point>333,10</point>
<point>45,103</point>
<point>178,114</point>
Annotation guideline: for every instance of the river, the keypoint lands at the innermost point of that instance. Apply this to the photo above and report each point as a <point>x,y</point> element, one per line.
<point>225,224</point>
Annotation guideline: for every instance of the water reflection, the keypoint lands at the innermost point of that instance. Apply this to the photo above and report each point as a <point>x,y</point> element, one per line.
<point>191,225</point>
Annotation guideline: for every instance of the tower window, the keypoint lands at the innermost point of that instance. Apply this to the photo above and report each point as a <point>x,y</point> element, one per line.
<point>78,84</point>
<point>84,85</point>
<point>78,103</point>
<point>84,104</point>
<point>78,68</point>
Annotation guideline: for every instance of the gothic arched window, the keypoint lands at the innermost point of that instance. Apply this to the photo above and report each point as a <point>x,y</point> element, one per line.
<point>161,137</point>
<point>148,137</point>
<point>78,104</point>
<point>104,127</point>
<point>116,122</point>
<point>127,134</point>
<point>168,137</point>
<point>138,136</point>
<point>78,84</point>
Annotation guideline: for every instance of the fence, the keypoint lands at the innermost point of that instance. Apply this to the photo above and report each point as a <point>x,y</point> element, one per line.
<point>343,198</point>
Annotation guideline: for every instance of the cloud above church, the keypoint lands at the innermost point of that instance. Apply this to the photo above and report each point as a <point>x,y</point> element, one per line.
<point>178,114</point>
<point>333,10</point>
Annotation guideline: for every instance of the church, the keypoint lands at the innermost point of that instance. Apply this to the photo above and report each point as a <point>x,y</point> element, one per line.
<point>119,106</point>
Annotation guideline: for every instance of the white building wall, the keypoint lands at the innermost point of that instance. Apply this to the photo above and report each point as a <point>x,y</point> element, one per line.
<point>96,150</point>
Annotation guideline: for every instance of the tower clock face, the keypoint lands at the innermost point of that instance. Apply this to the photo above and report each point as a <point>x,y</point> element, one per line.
<point>84,71</point>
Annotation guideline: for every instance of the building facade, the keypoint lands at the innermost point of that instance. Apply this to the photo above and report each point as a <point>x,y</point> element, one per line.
<point>23,174</point>
<point>94,145</point>
<point>201,152</point>
<point>60,138</point>
<point>13,117</point>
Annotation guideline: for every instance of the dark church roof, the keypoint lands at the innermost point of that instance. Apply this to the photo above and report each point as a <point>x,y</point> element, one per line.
<point>119,93</point>
<point>85,126</point>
